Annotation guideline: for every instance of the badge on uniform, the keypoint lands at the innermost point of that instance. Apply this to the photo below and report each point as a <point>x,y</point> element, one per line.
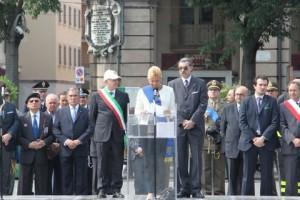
<point>25,125</point>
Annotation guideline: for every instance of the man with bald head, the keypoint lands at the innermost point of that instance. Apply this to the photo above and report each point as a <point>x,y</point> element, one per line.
<point>231,132</point>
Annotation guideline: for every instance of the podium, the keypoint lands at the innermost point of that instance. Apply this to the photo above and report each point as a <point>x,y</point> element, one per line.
<point>151,155</point>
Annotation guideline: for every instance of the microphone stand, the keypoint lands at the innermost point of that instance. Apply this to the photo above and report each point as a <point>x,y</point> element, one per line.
<point>1,144</point>
<point>155,91</point>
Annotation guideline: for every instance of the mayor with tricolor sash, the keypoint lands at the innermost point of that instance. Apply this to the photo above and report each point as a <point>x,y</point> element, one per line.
<point>290,129</point>
<point>108,111</point>
<point>159,99</point>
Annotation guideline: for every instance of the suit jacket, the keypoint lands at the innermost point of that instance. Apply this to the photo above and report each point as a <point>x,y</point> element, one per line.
<point>10,124</point>
<point>64,128</point>
<point>28,156</point>
<point>290,129</point>
<point>191,101</point>
<point>267,116</point>
<point>102,120</point>
<point>230,130</point>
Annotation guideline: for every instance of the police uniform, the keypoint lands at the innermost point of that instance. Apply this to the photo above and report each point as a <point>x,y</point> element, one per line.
<point>213,152</point>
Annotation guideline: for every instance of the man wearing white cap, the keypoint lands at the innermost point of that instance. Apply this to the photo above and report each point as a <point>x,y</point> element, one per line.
<point>108,108</point>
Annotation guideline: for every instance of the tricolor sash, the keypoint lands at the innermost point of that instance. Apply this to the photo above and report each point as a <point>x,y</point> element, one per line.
<point>293,108</point>
<point>111,102</point>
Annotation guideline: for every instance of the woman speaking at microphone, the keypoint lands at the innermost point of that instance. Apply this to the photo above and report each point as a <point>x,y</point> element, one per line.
<point>157,99</point>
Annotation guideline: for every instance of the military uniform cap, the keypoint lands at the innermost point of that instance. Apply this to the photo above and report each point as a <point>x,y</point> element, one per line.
<point>213,85</point>
<point>83,92</point>
<point>272,86</point>
<point>42,85</point>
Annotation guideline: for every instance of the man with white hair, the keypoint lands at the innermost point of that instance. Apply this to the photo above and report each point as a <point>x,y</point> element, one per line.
<point>54,168</point>
<point>108,114</point>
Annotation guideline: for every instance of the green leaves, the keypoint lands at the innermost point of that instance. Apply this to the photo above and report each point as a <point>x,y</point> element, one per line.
<point>36,7</point>
<point>10,8</point>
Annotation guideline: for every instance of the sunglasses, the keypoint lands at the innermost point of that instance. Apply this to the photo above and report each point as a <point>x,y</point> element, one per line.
<point>36,101</point>
<point>183,68</point>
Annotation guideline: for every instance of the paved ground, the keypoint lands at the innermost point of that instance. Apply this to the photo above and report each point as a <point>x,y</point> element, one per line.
<point>93,197</point>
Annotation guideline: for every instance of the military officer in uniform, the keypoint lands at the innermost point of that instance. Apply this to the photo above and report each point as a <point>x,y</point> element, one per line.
<point>272,90</point>
<point>213,153</point>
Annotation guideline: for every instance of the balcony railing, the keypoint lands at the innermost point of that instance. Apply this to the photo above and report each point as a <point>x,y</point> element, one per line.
<point>190,36</point>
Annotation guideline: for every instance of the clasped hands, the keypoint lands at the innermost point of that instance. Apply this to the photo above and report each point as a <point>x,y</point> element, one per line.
<point>259,141</point>
<point>6,138</point>
<point>188,124</point>
<point>72,144</point>
<point>37,144</point>
<point>296,142</point>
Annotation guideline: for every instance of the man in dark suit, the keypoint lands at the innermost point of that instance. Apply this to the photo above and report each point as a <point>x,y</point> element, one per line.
<point>10,126</point>
<point>290,129</point>
<point>231,132</point>
<point>71,128</point>
<point>191,99</point>
<point>259,120</point>
<point>54,184</point>
<point>108,125</point>
<point>35,135</point>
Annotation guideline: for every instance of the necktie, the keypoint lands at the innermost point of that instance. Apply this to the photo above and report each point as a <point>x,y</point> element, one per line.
<point>259,101</point>
<point>73,113</point>
<point>186,83</point>
<point>35,128</point>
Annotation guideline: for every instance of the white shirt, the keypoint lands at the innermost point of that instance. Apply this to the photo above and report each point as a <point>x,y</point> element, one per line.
<point>188,79</point>
<point>74,109</point>
<point>167,101</point>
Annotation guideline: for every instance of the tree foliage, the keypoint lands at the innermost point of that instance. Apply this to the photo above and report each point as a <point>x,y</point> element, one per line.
<point>254,22</point>
<point>9,9</point>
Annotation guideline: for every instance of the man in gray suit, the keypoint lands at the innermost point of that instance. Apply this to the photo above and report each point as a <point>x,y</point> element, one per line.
<point>71,128</point>
<point>108,111</point>
<point>258,121</point>
<point>35,135</point>
<point>231,132</point>
<point>290,129</point>
<point>191,99</point>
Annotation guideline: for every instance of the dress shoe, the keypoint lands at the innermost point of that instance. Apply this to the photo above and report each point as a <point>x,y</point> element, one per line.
<point>198,195</point>
<point>101,194</point>
<point>118,195</point>
<point>183,194</point>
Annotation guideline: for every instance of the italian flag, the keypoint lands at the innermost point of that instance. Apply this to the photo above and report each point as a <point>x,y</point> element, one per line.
<point>111,102</point>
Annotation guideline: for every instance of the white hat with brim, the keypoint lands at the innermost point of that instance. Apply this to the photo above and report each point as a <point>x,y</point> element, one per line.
<point>111,74</point>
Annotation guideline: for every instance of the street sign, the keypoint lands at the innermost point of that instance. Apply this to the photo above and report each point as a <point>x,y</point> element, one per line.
<point>79,75</point>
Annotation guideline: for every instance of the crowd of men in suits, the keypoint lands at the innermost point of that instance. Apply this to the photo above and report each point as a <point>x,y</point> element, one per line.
<point>72,145</point>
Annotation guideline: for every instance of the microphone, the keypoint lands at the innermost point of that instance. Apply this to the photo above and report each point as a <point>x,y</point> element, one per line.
<point>155,92</point>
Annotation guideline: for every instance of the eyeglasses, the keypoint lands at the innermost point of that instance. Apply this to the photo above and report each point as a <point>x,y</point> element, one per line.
<point>239,94</point>
<point>183,68</point>
<point>36,101</point>
<point>271,90</point>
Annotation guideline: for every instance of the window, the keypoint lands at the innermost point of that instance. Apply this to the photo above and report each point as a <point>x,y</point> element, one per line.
<point>74,17</point>
<point>65,55</point>
<point>59,16</point>
<point>70,16</point>
<point>79,18</point>
<point>79,57</point>
<point>75,53</point>
<point>186,13</point>
<point>195,15</point>
<point>206,15</point>
<point>65,14</point>
<point>70,56</point>
<point>59,55</point>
